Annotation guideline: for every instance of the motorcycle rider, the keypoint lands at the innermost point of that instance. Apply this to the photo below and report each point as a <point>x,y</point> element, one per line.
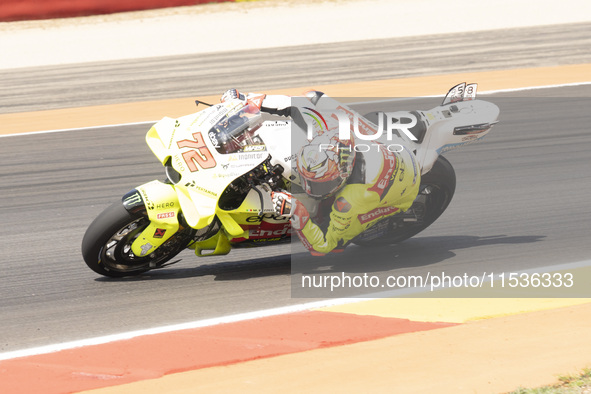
<point>363,187</point>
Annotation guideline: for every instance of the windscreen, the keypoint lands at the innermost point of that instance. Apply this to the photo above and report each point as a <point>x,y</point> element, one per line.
<point>235,131</point>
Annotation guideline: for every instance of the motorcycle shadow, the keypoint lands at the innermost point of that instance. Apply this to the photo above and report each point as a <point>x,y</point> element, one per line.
<point>413,253</point>
<point>219,268</point>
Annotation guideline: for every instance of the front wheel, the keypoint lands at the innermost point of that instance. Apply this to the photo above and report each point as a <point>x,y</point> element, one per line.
<point>106,246</point>
<point>435,194</point>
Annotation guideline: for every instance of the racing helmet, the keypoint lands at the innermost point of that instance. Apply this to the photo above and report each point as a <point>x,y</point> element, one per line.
<point>325,167</point>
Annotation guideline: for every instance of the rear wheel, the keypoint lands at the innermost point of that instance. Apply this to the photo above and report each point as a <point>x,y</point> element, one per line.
<point>435,194</point>
<point>106,246</point>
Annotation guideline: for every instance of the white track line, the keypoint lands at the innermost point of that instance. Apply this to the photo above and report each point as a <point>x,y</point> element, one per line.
<point>176,327</point>
<point>252,315</point>
<point>77,128</point>
<point>360,102</point>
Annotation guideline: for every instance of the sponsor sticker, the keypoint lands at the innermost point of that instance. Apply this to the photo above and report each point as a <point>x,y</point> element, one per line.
<point>165,215</point>
<point>375,214</point>
<point>253,148</point>
<point>146,248</point>
<point>159,233</point>
<point>342,205</point>
<point>269,230</point>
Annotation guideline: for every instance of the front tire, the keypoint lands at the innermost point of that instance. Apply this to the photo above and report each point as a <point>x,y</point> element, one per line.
<point>106,246</point>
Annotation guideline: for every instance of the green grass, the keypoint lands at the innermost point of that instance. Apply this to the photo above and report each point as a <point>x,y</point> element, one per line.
<point>569,384</point>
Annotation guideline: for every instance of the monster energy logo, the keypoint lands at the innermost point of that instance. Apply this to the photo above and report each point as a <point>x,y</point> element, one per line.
<point>135,198</point>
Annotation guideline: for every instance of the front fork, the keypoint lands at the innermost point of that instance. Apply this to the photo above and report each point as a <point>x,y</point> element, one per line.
<point>160,202</point>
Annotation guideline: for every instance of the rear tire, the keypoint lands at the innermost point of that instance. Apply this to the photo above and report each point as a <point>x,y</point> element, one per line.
<point>436,191</point>
<point>106,246</point>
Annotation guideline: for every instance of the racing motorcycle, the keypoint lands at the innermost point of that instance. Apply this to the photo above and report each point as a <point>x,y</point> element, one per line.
<point>221,165</point>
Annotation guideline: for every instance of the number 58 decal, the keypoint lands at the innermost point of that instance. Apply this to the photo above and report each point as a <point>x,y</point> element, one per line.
<point>200,154</point>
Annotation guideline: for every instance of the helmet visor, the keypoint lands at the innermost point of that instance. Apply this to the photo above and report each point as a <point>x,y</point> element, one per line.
<point>322,189</point>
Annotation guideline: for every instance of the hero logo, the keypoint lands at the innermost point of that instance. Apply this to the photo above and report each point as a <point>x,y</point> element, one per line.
<point>270,231</point>
<point>165,215</point>
<point>375,214</point>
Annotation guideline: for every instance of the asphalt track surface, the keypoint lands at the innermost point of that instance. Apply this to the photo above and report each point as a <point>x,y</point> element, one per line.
<point>521,202</point>
<point>78,85</point>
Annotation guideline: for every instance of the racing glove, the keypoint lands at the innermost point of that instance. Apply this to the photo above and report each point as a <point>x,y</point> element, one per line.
<point>253,99</point>
<point>284,205</point>
<point>281,203</point>
<point>232,94</point>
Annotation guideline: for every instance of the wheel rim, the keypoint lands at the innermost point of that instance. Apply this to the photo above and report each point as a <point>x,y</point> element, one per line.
<point>116,254</point>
